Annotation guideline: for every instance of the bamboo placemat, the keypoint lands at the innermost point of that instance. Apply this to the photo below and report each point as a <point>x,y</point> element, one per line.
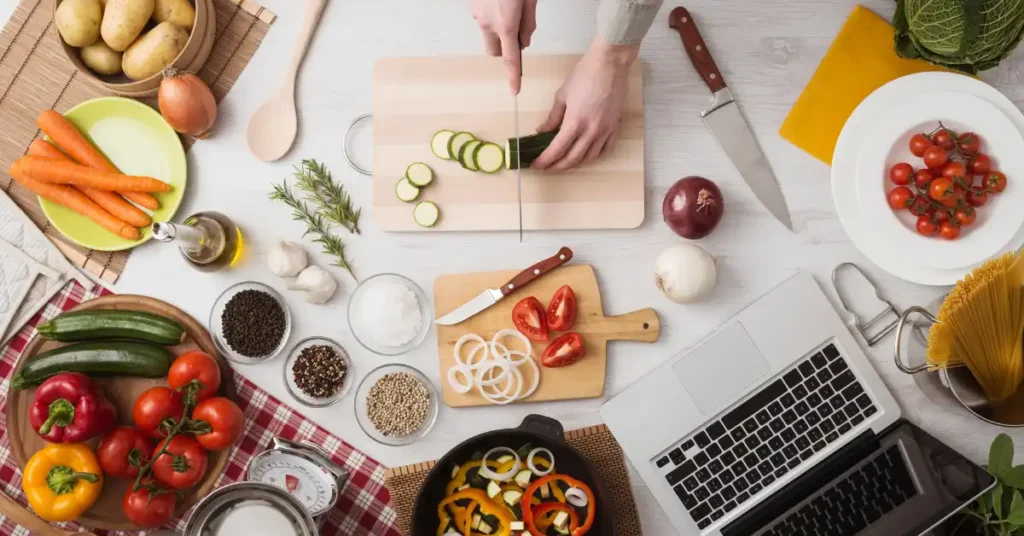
<point>596,443</point>
<point>35,75</point>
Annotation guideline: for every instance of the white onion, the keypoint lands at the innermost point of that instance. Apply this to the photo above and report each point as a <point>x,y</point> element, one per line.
<point>507,354</point>
<point>501,388</point>
<point>533,468</point>
<point>685,272</point>
<point>504,398</point>
<point>486,471</point>
<point>527,346</point>
<point>536,379</point>
<point>576,497</point>
<point>507,375</point>
<point>459,387</point>
<point>458,350</point>
<point>505,367</point>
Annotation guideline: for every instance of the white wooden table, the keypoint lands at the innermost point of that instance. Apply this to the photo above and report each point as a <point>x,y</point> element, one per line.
<point>766,50</point>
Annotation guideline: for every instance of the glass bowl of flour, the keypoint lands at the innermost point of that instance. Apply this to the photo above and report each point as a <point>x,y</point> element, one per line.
<point>389,314</point>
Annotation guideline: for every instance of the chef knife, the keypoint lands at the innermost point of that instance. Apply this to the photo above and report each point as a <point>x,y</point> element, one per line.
<point>492,296</point>
<point>726,123</point>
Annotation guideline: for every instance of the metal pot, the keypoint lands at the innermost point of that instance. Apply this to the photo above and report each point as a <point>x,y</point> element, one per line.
<point>234,509</point>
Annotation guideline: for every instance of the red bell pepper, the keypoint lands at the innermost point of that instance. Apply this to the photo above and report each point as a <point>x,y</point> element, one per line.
<point>551,479</point>
<point>70,408</point>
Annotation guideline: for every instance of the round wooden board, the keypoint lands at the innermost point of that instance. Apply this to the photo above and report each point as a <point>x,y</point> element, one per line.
<point>107,514</point>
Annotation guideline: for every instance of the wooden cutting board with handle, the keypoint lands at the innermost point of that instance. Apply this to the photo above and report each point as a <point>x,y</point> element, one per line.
<point>415,97</point>
<point>583,379</point>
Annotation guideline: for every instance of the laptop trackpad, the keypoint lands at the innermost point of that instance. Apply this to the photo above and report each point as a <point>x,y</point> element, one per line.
<point>722,367</point>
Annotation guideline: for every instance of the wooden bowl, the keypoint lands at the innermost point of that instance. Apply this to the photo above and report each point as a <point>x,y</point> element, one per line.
<point>192,57</point>
<point>107,513</point>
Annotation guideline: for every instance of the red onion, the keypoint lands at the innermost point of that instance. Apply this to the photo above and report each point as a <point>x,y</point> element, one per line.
<point>693,207</point>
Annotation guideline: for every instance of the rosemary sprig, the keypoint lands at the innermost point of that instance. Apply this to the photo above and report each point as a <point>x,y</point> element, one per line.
<point>316,224</point>
<point>330,197</point>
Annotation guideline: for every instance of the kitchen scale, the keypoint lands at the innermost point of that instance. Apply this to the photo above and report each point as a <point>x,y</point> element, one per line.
<point>302,469</point>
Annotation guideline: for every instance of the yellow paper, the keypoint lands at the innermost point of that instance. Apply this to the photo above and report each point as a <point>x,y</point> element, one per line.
<point>860,60</point>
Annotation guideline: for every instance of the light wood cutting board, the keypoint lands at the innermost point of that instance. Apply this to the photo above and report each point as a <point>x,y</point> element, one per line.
<point>415,97</point>
<point>583,379</point>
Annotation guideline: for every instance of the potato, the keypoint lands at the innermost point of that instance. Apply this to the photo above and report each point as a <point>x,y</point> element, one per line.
<point>78,21</point>
<point>154,51</point>
<point>123,21</point>
<point>179,12</point>
<point>101,58</point>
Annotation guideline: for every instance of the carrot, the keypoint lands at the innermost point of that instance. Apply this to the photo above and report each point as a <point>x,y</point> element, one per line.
<point>77,201</point>
<point>66,172</point>
<point>67,137</point>
<point>111,202</point>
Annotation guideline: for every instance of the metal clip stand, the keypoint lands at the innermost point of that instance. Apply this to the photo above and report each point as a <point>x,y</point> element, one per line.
<point>890,309</point>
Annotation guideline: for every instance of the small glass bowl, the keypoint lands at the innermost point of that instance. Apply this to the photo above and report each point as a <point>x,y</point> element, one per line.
<point>355,325</point>
<point>289,376</point>
<point>364,418</point>
<point>217,327</point>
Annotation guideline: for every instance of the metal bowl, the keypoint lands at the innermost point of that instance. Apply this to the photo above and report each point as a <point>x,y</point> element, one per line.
<point>217,327</point>
<point>221,511</point>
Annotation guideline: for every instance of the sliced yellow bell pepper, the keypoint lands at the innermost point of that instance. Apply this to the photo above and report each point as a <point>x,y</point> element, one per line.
<point>486,506</point>
<point>62,481</point>
<point>460,477</point>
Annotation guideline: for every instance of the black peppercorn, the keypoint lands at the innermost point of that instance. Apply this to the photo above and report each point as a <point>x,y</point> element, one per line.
<point>253,323</point>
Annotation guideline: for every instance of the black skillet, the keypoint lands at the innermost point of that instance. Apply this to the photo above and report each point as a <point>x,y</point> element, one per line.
<point>538,430</point>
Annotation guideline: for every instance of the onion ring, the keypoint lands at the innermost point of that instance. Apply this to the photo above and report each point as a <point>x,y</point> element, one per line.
<point>501,400</point>
<point>508,378</point>
<point>536,378</point>
<point>501,334</point>
<point>575,497</point>
<point>507,354</point>
<point>533,468</point>
<point>488,473</point>
<point>458,350</point>
<point>505,367</point>
<point>459,387</point>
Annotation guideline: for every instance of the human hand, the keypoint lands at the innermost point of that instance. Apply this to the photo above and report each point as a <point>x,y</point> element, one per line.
<point>588,107</point>
<point>507,27</point>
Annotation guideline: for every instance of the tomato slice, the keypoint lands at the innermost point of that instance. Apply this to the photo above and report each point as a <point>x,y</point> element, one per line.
<point>528,317</point>
<point>562,309</point>
<point>565,350</point>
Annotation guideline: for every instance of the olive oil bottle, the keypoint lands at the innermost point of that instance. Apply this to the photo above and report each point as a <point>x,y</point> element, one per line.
<point>209,241</point>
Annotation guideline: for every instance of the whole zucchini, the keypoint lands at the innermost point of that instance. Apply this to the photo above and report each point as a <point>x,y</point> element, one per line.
<point>102,324</point>
<point>117,358</point>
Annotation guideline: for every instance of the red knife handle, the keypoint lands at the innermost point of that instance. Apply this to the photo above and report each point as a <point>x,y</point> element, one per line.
<point>523,278</point>
<point>681,21</point>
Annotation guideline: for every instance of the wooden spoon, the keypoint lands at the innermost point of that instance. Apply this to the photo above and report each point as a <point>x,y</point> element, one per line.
<point>273,127</point>
<point>22,516</point>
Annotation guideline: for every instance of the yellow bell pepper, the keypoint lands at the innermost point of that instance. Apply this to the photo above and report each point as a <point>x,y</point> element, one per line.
<point>62,481</point>
<point>486,506</point>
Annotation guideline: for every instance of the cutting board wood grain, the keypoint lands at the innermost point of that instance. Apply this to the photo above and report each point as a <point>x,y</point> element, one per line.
<point>415,97</point>
<point>583,379</point>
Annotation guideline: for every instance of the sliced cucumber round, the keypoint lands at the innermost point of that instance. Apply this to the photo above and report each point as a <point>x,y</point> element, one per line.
<point>490,158</point>
<point>439,144</point>
<point>406,191</point>
<point>456,142</point>
<point>426,213</point>
<point>419,174</point>
<point>466,154</point>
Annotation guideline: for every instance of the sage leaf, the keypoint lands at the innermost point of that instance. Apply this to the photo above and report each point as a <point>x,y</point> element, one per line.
<point>1000,456</point>
<point>1016,516</point>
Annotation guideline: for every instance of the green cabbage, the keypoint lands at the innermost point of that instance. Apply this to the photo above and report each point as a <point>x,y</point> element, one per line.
<point>966,35</point>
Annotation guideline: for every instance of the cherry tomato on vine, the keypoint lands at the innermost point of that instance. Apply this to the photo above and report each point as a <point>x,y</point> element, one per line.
<point>977,197</point>
<point>922,178</point>
<point>120,448</point>
<point>941,190</point>
<point>918,144</point>
<point>965,216</point>
<point>954,169</point>
<point>925,225</point>
<point>995,182</point>
<point>900,197</point>
<point>969,143</point>
<point>147,510</point>
<point>197,366</point>
<point>943,139</point>
<point>920,205</point>
<point>949,230</point>
<point>155,406</point>
<point>225,420</point>
<point>940,216</point>
<point>935,157</point>
<point>900,173</point>
<point>182,465</point>
<point>980,164</point>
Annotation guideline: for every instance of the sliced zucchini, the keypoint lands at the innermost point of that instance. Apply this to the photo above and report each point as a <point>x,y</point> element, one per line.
<point>517,525</point>
<point>456,142</point>
<point>426,214</point>
<point>484,528</point>
<point>466,159</point>
<point>406,191</point>
<point>476,522</point>
<point>512,496</point>
<point>561,521</point>
<point>462,487</point>
<point>523,478</point>
<point>545,491</point>
<point>455,470</point>
<point>493,489</point>
<point>560,530</point>
<point>489,157</point>
<point>419,174</point>
<point>439,144</point>
<point>504,458</point>
<point>522,151</point>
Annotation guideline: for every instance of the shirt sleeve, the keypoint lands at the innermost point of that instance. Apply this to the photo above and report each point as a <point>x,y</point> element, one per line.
<point>625,22</point>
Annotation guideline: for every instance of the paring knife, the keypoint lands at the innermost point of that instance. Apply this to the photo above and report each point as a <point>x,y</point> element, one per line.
<point>492,296</point>
<point>726,123</point>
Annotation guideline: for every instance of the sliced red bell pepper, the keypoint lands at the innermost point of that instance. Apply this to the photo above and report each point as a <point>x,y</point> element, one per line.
<point>528,509</point>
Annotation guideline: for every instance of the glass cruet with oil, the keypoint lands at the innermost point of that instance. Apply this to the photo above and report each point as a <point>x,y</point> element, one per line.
<point>209,240</point>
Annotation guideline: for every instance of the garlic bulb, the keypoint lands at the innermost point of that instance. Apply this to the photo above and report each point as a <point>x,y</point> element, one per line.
<point>316,284</point>
<point>286,259</point>
<point>685,272</point>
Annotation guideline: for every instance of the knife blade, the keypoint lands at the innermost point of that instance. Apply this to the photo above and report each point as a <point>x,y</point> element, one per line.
<point>519,177</point>
<point>727,124</point>
<point>492,296</point>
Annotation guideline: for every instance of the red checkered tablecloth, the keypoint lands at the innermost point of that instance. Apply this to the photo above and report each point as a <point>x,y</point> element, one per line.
<point>362,509</point>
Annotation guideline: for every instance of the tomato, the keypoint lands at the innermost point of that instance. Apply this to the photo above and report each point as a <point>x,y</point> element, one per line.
<point>148,510</point>
<point>922,178</point>
<point>154,409</point>
<point>123,451</point>
<point>940,216</point>
<point>943,139</point>
<point>528,317</point>
<point>562,309</point>
<point>941,190</point>
<point>920,205</point>
<point>994,182</point>
<point>195,366</point>
<point>959,193</point>
<point>183,465</point>
<point>225,422</point>
<point>935,157</point>
<point>900,173</point>
<point>925,225</point>
<point>565,350</point>
<point>969,143</point>
<point>964,217</point>
<point>980,164</point>
<point>977,197</point>
<point>918,144</point>
<point>954,169</point>
<point>900,197</point>
<point>949,230</point>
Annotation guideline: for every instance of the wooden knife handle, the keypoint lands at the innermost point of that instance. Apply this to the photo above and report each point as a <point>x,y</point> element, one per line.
<point>523,278</point>
<point>681,21</point>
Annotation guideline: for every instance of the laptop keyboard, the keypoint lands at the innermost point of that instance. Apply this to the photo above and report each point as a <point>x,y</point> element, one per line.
<point>853,503</point>
<point>733,458</point>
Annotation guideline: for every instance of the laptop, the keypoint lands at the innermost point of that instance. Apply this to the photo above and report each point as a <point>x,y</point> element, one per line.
<point>777,423</point>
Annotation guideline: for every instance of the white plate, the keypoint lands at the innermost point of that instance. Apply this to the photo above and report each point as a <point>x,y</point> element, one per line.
<point>889,144</point>
<point>859,125</point>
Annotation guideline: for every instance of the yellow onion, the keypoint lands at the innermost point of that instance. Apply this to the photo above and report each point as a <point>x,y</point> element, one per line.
<point>187,103</point>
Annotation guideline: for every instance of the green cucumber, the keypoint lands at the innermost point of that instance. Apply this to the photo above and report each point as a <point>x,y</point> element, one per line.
<point>117,358</point>
<point>456,142</point>
<point>426,213</point>
<point>113,324</point>
<point>521,152</point>
<point>419,174</point>
<point>439,144</point>
<point>406,191</point>
<point>466,154</point>
<point>489,157</point>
